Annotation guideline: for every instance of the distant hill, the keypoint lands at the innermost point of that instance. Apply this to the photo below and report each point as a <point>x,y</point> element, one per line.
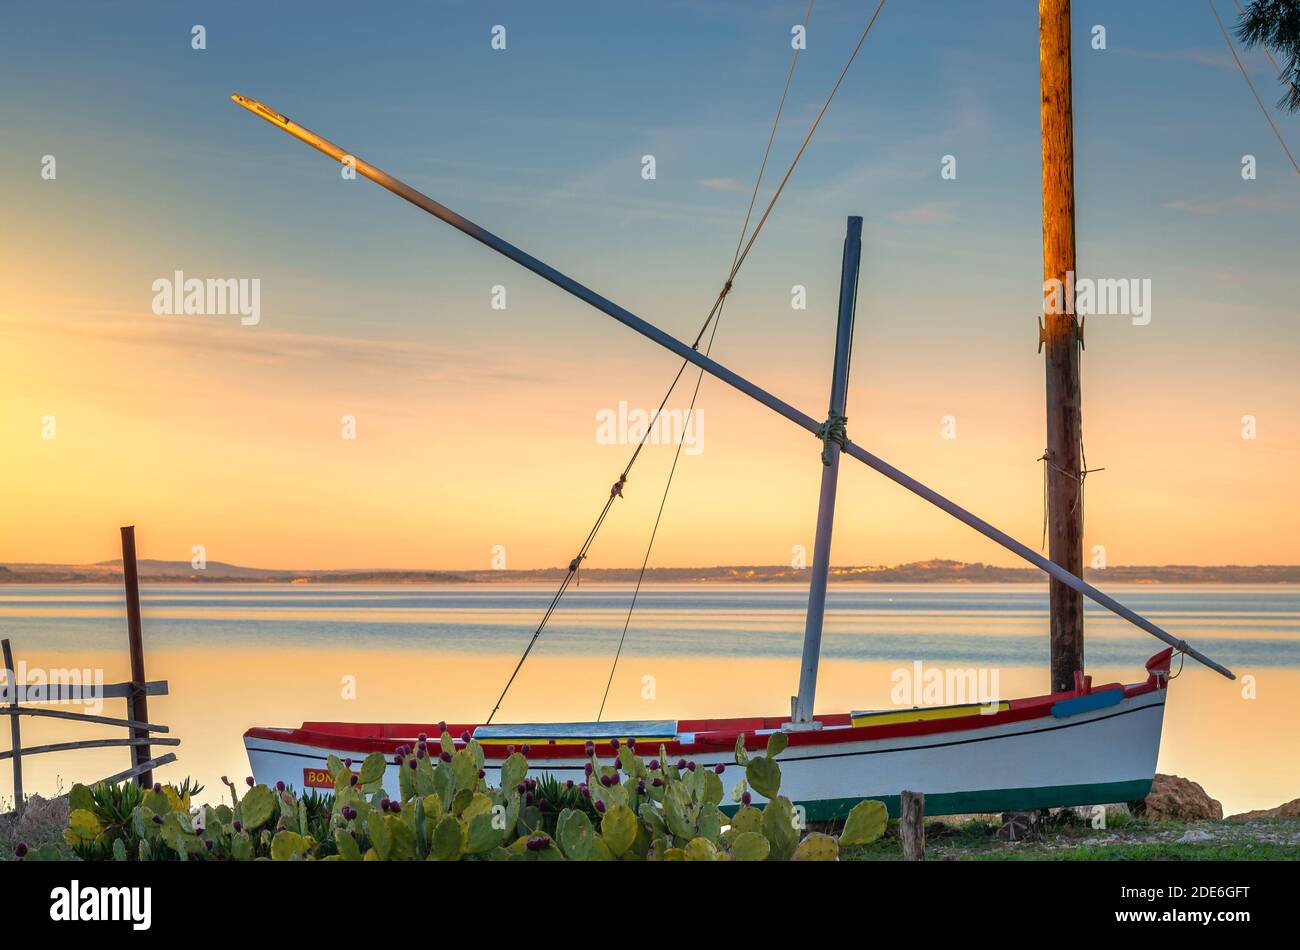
<point>918,572</point>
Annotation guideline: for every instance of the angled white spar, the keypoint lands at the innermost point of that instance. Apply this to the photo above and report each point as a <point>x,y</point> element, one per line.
<point>688,353</point>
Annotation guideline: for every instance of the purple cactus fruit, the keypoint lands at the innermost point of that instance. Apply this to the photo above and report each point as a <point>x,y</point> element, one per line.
<point>719,768</point>
<point>157,786</point>
<point>353,779</point>
<point>590,747</point>
<point>588,769</point>
<point>521,788</point>
<point>528,798</point>
<point>526,749</point>
<point>543,804</point>
<point>586,792</point>
<point>347,762</point>
<point>681,764</point>
<point>20,850</point>
<point>250,781</point>
<point>746,798</point>
<point>446,757</point>
<point>207,843</point>
<point>654,765</point>
<point>395,807</point>
<point>568,783</point>
<point>482,773</point>
<point>691,766</point>
<point>464,737</point>
<point>413,763</point>
<point>442,727</point>
<point>613,743</point>
<point>640,786</point>
<point>399,760</point>
<point>423,736</point>
<point>631,744</point>
<point>279,786</point>
<point>238,826</point>
<point>157,819</point>
<point>280,828</point>
<point>606,780</point>
<point>600,807</point>
<point>657,783</point>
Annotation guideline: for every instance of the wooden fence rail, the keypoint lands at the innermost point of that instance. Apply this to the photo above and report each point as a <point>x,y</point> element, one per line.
<point>140,741</point>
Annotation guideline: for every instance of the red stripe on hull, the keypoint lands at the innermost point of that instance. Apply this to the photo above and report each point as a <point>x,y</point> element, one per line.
<point>709,734</point>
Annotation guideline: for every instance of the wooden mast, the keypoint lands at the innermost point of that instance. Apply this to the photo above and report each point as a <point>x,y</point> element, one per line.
<point>1062,340</point>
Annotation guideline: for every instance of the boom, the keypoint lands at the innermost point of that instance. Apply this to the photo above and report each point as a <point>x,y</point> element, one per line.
<point>716,369</point>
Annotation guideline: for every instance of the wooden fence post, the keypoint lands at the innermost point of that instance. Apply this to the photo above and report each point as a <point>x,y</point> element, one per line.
<point>138,703</point>
<point>911,825</point>
<point>15,733</point>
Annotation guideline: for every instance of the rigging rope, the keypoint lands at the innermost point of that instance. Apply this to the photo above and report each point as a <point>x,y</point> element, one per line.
<point>714,311</point>
<point>690,412</point>
<point>1246,76</point>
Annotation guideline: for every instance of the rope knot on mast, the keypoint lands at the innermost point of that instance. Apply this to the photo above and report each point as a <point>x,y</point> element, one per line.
<point>833,430</point>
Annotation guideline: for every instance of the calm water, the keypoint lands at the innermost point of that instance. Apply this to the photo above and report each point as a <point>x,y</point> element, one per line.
<point>275,655</point>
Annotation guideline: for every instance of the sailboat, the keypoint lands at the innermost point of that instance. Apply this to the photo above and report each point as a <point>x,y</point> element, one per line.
<point>1092,744</point>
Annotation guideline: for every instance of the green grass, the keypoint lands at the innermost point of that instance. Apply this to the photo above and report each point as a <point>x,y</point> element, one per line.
<point>1125,839</point>
<point>43,822</point>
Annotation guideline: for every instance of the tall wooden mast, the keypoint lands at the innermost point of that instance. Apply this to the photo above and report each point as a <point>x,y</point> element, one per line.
<point>1062,340</point>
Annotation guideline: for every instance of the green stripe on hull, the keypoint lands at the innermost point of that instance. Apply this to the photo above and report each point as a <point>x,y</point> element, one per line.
<point>988,800</point>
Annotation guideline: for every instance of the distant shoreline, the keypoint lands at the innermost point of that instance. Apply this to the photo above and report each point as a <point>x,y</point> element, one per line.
<point>919,572</point>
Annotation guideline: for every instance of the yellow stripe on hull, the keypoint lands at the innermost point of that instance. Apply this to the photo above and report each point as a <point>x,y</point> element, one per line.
<point>567,740</point>
<point>923,715</point>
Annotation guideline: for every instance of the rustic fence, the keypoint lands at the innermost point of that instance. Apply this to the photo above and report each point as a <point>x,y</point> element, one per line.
<point>135,692</point>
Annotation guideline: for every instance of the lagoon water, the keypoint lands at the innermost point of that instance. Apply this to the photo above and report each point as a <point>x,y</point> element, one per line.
<point>243,655</point>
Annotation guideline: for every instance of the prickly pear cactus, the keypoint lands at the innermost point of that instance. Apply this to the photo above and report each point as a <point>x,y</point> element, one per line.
<point>628,809</point>
<point>817,847</point>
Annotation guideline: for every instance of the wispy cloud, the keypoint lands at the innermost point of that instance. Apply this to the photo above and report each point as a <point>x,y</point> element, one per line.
<point>207,338</point>
<point>932,212</point>
<point>722,184</point>
<point>1235,203</point>
<point>1201,57</point>
<point>1252,58</point>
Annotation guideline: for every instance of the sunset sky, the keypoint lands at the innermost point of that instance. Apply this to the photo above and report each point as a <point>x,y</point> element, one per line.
<point>477,427</point>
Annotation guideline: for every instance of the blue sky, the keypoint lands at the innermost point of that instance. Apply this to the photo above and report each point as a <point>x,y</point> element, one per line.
<point>543,143</point>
